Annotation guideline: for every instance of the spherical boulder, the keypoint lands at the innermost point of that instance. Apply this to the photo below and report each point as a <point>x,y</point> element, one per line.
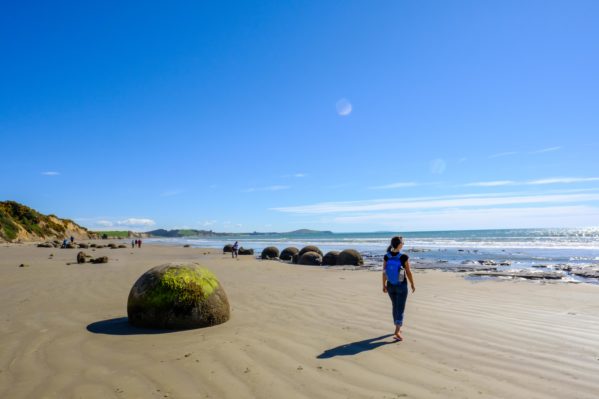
<point>310,258</point>
<point>310,248</point>
<point>81,257</point>
<point>287,253</point>
<point>228,248</point>
<point>177,296</point>
<point>244,251</point>
<point>330,259</point>
<point>270,253</point>
<point>350,257</point>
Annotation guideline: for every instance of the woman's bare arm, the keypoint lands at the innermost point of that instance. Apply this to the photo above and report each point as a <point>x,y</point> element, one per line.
<point>409,275</point>
<point>384,276</point>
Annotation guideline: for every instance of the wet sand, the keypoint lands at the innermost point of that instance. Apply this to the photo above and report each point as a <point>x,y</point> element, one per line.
<point>295,332</point>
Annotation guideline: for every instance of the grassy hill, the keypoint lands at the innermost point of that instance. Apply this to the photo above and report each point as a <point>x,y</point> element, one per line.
<point>20,222</point>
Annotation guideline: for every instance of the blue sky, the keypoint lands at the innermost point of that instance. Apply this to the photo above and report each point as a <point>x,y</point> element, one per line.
<point>272,116</point>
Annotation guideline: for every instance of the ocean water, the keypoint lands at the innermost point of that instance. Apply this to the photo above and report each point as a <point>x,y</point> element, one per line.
<point>523,249</point>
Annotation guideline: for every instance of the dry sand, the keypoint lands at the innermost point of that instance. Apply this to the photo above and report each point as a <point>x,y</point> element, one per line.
<point>295,332</point>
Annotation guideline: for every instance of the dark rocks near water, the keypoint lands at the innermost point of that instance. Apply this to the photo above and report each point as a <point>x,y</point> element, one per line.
<point>101,259</point>
<point>521,274</point>
<point>350,257</point>
<point>186,246</point>
<point>270,253</point>
<point>243,251</point>
<point>310,258</point>
<point>177,296</point>
<point>330,259</point>
<point>287,253</point>
<point>586,273</point>
<point>310,248</point>
<point>228,248</point>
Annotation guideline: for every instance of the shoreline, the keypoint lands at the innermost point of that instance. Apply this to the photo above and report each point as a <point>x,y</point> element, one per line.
<point>295,331</point>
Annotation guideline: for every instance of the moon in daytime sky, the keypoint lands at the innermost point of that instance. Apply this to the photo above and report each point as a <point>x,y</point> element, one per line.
<point>344,107</point>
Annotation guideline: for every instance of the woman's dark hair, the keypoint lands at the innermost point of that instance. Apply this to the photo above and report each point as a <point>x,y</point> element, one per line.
<point>395,242</point>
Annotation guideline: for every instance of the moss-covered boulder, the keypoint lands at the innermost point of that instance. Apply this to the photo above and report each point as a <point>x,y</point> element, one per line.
<point>228,248</point>
<point>330,259</point>
<point>310,248</point>
<point>270,253</point>
<point>310,258</point>
<point>287,253</point>
<point>350,257</point>
<point>177,296</point>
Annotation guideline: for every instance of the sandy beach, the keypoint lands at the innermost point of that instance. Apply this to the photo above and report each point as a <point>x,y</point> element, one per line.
<point>294,332</point>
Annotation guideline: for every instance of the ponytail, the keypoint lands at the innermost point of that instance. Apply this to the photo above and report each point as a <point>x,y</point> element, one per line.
<point>395,242</point>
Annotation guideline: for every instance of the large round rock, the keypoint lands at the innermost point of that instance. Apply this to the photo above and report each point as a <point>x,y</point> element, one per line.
<point>330,259</point>
<point>287,253</point>
<point>270,253</point>
<point>177,296</point>
<point>228,248</point>
<point>310,248</point>
<point>310,258</point>
<point>350,257</point>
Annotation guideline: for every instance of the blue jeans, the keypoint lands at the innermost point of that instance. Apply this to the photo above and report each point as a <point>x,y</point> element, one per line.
<point>398,294</point>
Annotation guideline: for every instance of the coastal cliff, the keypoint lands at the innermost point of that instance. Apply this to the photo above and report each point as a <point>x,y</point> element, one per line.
<point>21,223</point>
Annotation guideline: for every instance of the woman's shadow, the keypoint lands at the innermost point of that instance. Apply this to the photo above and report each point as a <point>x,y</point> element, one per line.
<point>356,347</point>
<point>121,326</point>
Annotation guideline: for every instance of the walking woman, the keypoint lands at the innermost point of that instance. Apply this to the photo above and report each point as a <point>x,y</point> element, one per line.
<point>396,267</point>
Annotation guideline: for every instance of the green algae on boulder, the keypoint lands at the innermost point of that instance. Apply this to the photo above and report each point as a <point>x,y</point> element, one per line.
<point>177,296</point>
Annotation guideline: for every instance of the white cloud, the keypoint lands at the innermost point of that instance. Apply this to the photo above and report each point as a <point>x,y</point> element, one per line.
<point>438,166</point>
<point>50,173</point>
<point>537,182</point>
<point>488,218</point>
<point>438,202</point>
<point>208,223</point>
<point>136,222</point>
<point>344,107</point>
<point>495,183</point>
<point>394,185</point>
<point>563,180</point>
<point>543,150</point>
<point>171,193</point>
<point>502,154</point>
<point>104,223</point>
<point>267,188</point>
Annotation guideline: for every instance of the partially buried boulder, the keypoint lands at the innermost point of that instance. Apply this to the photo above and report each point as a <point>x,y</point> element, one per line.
<point>45,245</point>
<point>350,257</point>
<point>83,246</point>
<point>177,296</point>
<point>270,253</point>
<point>310,248</point>
<point>112,246</point>
<point>310,258</point>
<point>330,259</point>
<point>287,253</point>
<point>101,259</point>
<point>228,248</point>
<point>243,251</point>
<point>81,257</point>
<point>122,246</point>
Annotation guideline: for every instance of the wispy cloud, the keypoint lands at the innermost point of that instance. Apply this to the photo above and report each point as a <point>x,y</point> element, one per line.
<point>537,182</point>
<point>495,183</point>
<point>438,166</point>
<point>207,223</point>
<point>394,185</point>
<point>563,180</point>
<point>502,154</point>
<point>104,223</point>
<point>424,203</point>
<point>50,173</point>
<point>267,188</point>
<point>542,150</point>
<point>171,193</point>
<point>141,222</point>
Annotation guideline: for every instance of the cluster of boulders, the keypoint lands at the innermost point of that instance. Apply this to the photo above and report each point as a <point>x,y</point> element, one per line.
<point>240,251</point>
<point>313,256</point>
<point>71,245</point>
<point>82,257</point>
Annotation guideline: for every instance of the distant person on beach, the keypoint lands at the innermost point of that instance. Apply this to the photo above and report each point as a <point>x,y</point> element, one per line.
<point>396,267</point>
<point>64,243</point>
<point>132,244</point>
<point>72,239</point>
<point>235,251</point>
<point>138,243</point>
